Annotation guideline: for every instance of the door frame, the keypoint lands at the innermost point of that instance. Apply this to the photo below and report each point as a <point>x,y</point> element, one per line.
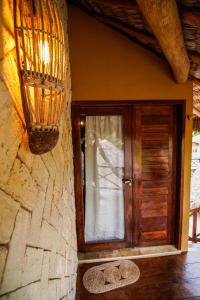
<point>115,107</point>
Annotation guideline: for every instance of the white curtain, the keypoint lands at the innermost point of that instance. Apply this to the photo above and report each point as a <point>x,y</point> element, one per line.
<point>104,171</point>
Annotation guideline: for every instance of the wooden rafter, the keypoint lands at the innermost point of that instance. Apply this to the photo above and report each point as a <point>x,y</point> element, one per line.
<point>162,16</point>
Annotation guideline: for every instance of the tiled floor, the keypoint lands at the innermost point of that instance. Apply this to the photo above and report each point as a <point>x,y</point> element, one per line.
<point>162,278</point>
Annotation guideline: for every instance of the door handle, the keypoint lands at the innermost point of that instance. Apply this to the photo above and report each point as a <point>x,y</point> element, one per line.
<point>128,181</point>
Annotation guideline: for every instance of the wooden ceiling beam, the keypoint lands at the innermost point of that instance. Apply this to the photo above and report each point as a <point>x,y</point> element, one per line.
<point>163,18</point>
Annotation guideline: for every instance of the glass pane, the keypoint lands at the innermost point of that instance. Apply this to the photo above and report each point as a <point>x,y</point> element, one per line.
<point>103,157</point>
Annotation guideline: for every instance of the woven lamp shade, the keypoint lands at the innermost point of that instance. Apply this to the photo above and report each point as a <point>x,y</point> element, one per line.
<point>42,65</point>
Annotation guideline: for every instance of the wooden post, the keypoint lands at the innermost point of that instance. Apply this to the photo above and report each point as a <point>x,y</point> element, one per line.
<point>194,229</point>
<point>163,18</point>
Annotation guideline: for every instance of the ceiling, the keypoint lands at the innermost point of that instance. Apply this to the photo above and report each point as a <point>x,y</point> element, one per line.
<point>126,17</point>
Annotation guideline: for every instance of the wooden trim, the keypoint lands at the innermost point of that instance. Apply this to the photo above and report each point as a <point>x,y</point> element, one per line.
<point>78,176</point>
<point>195,238</point>
<point>181,115</point>
<point>173,128</point>
<point>119,103</point>
<point>173,157</point>
<point>128,174</point>
<point>137,174</point>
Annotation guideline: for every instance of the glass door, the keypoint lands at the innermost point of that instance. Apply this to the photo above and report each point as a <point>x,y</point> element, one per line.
<point>106,177</point>
<point>103,152</point>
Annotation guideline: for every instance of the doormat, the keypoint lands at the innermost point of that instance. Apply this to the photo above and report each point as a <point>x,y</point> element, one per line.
<point>110,276</point>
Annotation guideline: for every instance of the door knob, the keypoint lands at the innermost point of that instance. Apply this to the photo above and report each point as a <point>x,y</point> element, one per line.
<point>128,181</point>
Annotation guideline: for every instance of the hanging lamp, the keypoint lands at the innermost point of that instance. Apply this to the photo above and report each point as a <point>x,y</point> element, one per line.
<point>41,54</point>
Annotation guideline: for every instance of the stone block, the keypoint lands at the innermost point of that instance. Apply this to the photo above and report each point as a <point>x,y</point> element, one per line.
<point>32,265</point>
<point>64,286</point>
<point>3,255</point>
<point>57,192</point>
<point>45,276</point>
<point>60,263</point>
<point>5,104</point>
<point>57,266</point>
<point>50,164</point>
<point>30,292</point>
<point>9,74</point>
<point>8,212</point>
<point>52,265</point>
<point>12,278</point>
<point>48,200</point>
<point>24,152</point>
<point>58,155</point>
<point>61,246</point>
<point>71,295</point>
<point>7,28</point>
<point>40,173</point>
<point>73,282</point>
<point>60,224</point>
<point>48,236</point>
<point>21,186</point>
<point>54,220</point>
<point>66,231</point>
<point>64,194</point>
<point>58,289</point>
<point>53,290</point>
<point>36,220</point>
<point>10,134</point>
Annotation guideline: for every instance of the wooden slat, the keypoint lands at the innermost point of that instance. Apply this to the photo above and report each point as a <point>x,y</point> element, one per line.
<point>154,235</point>
<point>154,223</point>
<point>154,144</point>
<point>155,136</point>
<point>155,159</point>
<point>154,119</point>
<point>155,128</point>
<point>159,175</point>
<point>154,153</point>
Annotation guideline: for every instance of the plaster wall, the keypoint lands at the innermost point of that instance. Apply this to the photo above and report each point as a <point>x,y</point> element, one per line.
<point>106,65</point>
<point>38,252</point>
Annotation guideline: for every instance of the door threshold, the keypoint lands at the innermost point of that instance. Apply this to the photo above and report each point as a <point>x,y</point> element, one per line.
<point>128,253</point>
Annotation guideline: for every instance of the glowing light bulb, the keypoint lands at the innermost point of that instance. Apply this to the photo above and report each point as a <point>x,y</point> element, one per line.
<point>82,123</point>
<point>44,52</point>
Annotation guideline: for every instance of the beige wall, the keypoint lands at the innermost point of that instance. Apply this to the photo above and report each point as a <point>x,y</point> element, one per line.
<point>38,252</point>
<point>106,65</point>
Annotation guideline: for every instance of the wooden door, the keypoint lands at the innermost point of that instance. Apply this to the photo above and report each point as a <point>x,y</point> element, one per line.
<point>152,159</point>
<point>154,170</point>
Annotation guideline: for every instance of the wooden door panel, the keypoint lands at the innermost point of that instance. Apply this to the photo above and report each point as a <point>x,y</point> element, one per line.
<point>154,224</point>
<point>154,155</point>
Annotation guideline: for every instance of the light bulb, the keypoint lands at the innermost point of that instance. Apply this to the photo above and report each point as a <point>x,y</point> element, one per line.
<point>44,52</point>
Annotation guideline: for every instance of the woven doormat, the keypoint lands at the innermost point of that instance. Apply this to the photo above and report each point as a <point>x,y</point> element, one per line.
<point>110,276</point>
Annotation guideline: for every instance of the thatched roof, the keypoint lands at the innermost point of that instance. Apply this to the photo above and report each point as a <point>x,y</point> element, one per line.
<point>126,17</point>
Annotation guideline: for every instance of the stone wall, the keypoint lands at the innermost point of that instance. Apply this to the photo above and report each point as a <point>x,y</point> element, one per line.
<point>38,252</point>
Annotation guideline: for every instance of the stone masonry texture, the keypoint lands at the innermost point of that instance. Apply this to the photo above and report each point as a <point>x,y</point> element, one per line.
<point>38,251</point>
